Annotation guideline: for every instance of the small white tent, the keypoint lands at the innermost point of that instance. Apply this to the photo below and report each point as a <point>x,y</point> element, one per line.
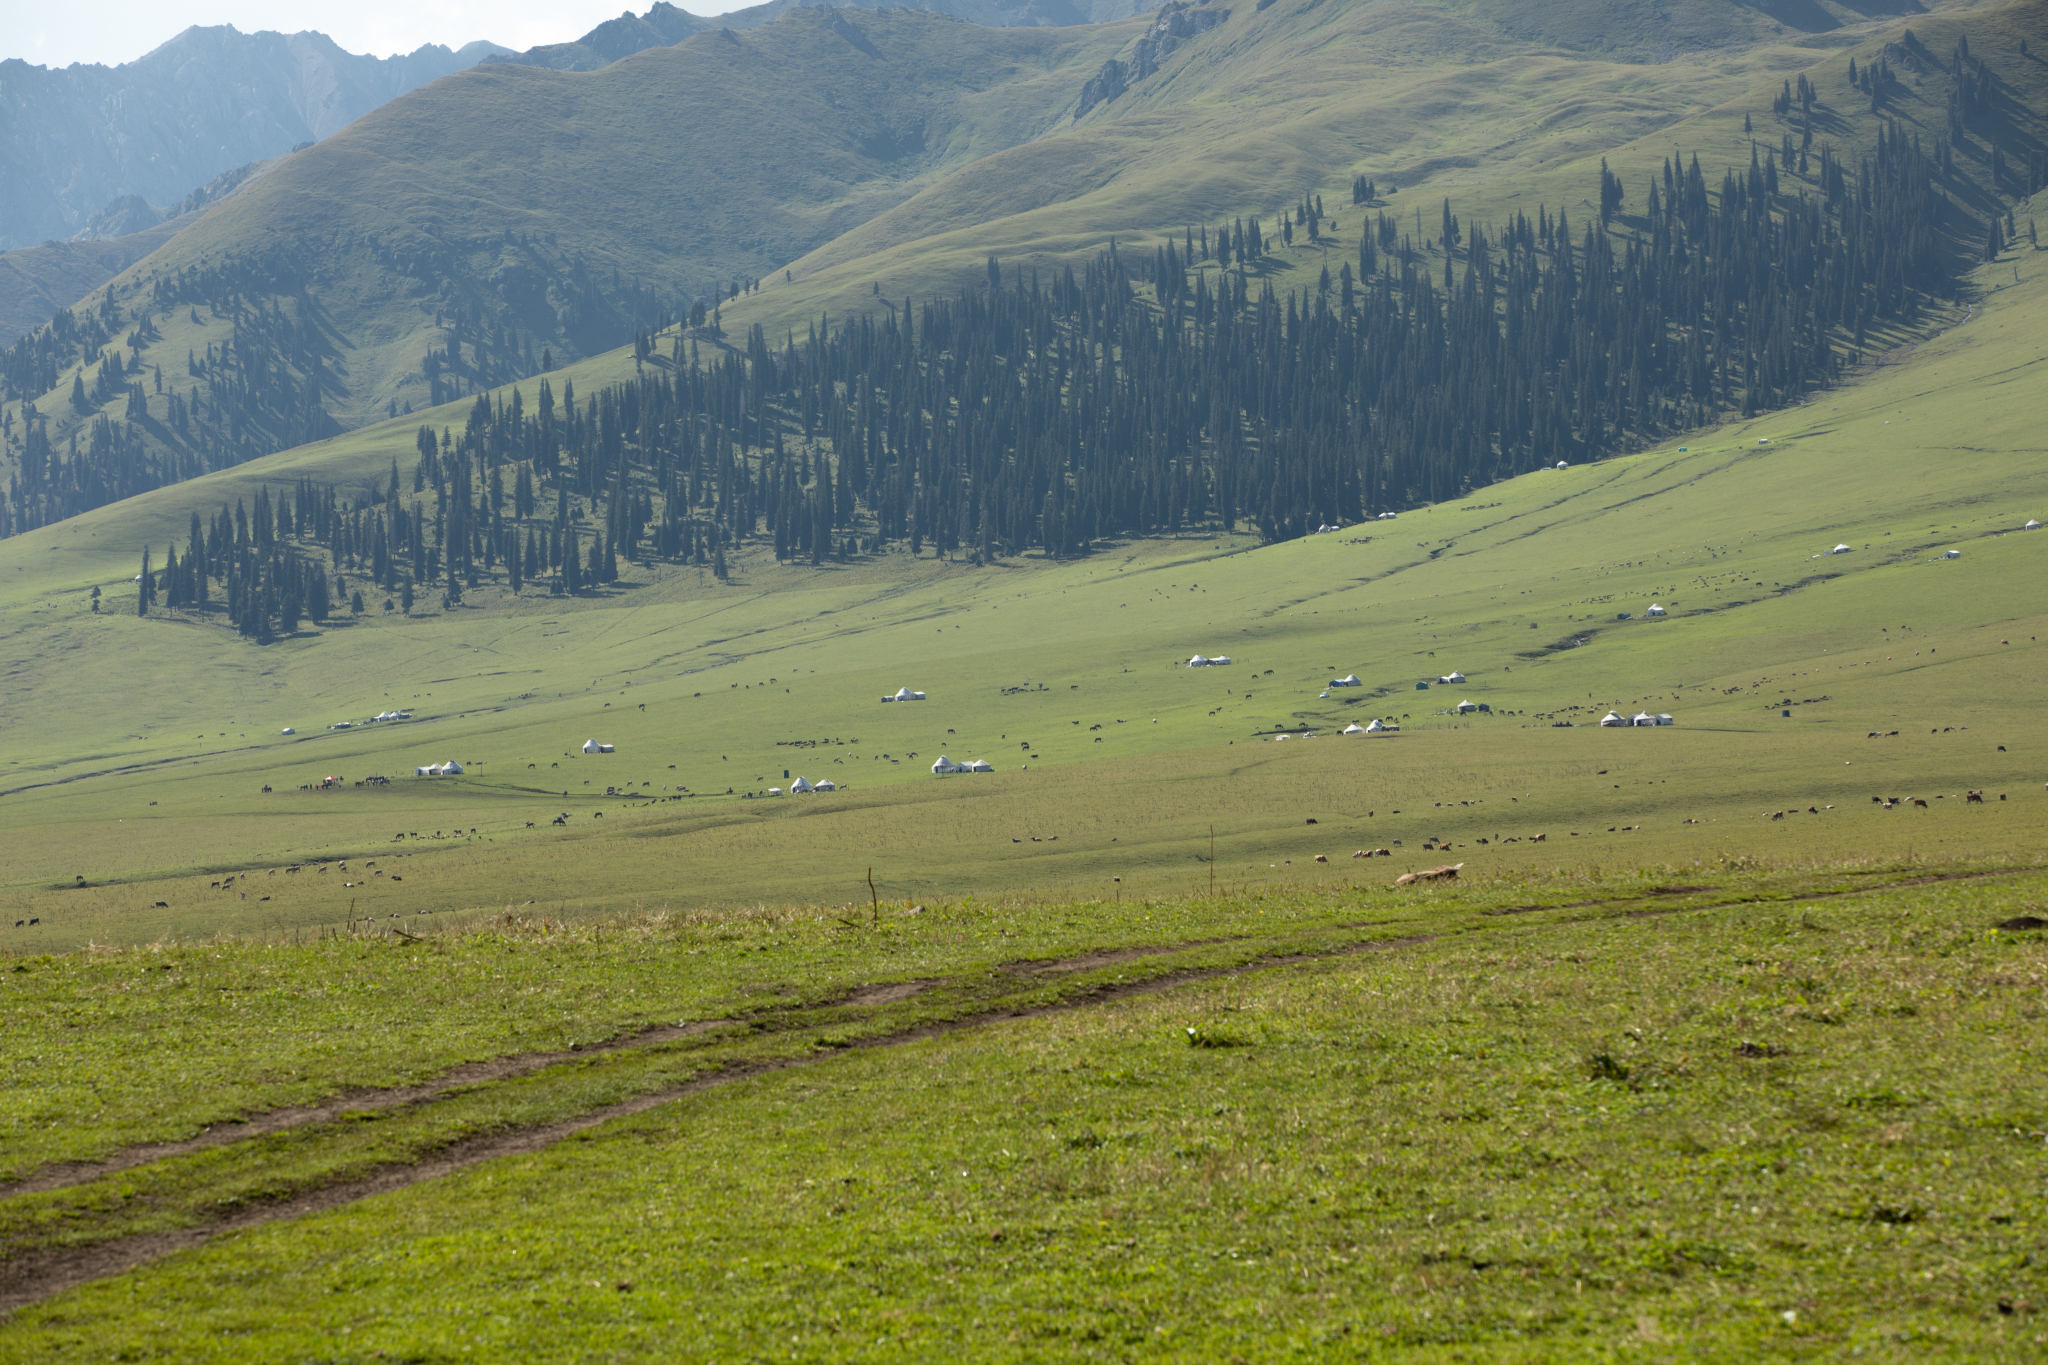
<point>826,784</point>
<point>451,767</point>
<point>424,772</point>
<point>1656,610</point>
<point>1951,554</point>
<point>591,746</point>
<point>288,730</point>
<point>1386,516</point>
<point>1354,729</point>
<point>1643,718</point>
<point>801,786</point>
<point>1664,718</point>
<point>2031,526</point>
<point>979,765</point>
<point>1465,706</point>
<point>1610,720</point>
<point>775,791</point>
<point>1839,550</point>
<point>1452,677</point>
<point>1562,464</point>
<point>1348,680</point>
<point>945,765</point>
<point>1199,661</point>
<point>1380,727</point>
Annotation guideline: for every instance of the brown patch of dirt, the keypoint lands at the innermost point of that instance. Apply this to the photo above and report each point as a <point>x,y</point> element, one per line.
<point>887,995</point>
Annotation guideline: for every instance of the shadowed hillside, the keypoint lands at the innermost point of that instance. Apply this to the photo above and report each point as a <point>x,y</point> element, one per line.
<point>207,101</point>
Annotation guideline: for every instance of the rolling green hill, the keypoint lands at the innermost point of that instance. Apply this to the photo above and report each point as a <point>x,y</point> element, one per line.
<point>1519,586</point>
<point>464,233</point>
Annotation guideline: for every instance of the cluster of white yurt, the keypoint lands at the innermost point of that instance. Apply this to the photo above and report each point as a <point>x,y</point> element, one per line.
<point>1611,721</point>
<point>801,786</point>
<point>1656,610</point>
<point>904,694</point>
<point>973,765</point>
<point>1454,676</point>
<point>1386,516</point>
<point>391,715</point>
<point>591,746</point>
<point>1348,680</point>
<point>1325,530</point>
<point>1204,661</point>
<point>449,769</point>
<point>1377,727</point>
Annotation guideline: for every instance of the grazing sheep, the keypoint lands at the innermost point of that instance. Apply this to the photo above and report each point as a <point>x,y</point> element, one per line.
<point>1321,858</point>
<point>1777,815</point>
<point>1447,872</point>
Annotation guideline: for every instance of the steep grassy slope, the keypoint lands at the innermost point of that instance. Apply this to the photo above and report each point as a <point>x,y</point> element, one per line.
<point>511,211</point>
<point>1518,586</point>
<point>1498,108</point>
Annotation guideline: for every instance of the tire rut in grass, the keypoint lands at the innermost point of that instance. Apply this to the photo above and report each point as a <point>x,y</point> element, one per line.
<point>28,1279</point>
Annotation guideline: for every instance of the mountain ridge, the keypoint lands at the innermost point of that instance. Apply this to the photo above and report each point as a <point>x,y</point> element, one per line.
<point>207,101</point>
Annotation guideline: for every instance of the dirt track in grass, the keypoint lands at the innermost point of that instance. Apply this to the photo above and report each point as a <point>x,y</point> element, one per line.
<point>29,1279</point>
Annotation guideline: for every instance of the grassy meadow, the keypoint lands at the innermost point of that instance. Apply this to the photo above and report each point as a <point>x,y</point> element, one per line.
<point>1113,761</point>
<point>1768,1115</point>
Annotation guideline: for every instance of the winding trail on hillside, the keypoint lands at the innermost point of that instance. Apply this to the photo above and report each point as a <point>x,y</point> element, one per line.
<point>29,1279</point>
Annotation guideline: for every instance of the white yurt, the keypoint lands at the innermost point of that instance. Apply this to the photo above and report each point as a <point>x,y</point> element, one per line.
<point>945,765</point>
<point>1611,720</point>
<point>1199,661</point>
<point>1839,550</point>
<point>591,746</point>
<point>1220,659</point>
<point>1642,718</point>
<point>288,730</point>
<point>826,784</point>
<point>1354,729</point>
<point>451,767</point>
<point>1454,676</point>
<point>425,772</point>
<point>1386,516</point>
<point>1951,554</point>
<point>1380,727</point>
<point>1465,706</point>
<point>2031,526</point>
<point>1656,610</point>
<point>979,765</point>
<point>1563,464</point>
<point>801,786</point>
<point>1348,680</point>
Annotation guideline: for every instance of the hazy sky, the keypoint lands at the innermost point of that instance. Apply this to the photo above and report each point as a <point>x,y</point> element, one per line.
<point>52,33</point>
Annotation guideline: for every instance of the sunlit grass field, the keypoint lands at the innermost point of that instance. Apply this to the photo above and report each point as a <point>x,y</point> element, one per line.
<point>1767,1114</point>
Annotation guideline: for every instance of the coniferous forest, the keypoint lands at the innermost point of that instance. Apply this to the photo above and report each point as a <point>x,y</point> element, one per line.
<point>1143,394</point>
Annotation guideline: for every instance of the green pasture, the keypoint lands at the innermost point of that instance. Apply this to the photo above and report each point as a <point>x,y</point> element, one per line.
<point>1764,1115</point>
<point>137,749</point>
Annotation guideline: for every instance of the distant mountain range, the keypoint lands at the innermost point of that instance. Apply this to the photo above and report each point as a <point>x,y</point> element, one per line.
<point>75,140</point>
<point>664,25</point>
